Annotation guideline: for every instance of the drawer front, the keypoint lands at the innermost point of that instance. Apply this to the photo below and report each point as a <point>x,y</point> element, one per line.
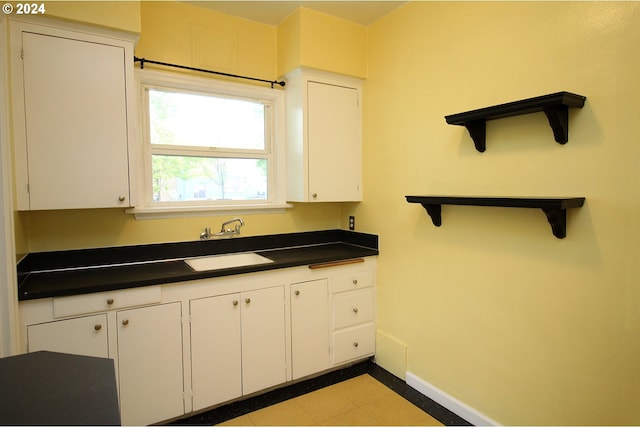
<point>349,282</point>
<point>354,343</point>
<point>103,301</point>
<point>353,308</point>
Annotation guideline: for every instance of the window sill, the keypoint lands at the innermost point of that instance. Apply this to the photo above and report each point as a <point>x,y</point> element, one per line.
<point>142,213</point>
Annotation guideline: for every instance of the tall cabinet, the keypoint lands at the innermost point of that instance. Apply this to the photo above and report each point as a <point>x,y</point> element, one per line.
<point>324,137</point>
<point>73,115</point>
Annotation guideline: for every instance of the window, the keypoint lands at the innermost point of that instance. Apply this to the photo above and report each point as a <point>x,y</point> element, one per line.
<point>210,145</point>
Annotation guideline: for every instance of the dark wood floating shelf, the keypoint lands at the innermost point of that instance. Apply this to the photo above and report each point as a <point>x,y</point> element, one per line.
<point>554,208</point>
<point>555,106</point>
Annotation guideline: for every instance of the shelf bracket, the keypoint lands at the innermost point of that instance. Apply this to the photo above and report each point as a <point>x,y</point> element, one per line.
<point>558,117</point>
<point>558,220</point>
<point>435,212</point>
<point>478,131</point>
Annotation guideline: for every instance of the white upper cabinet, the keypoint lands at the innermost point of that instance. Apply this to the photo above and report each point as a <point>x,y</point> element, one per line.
<point>324,137</point>
<point>73,117</point>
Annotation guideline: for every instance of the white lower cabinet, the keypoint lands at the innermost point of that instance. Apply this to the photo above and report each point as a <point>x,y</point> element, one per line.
<point>237,345</point>
<point>189,346</point>
<point>263,339</point>
<point>216,365</point>
<point>310,327</point>
<point>86,336</point>
<point>150,363</point>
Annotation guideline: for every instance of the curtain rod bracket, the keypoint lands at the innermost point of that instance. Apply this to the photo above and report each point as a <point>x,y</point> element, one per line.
<point>166,64</point>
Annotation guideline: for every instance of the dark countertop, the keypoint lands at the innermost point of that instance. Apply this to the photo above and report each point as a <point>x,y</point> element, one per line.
<point>47,388</point>
<point>60,273</point>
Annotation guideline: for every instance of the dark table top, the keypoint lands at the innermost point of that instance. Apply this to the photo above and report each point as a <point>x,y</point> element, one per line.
<point>47,388</point>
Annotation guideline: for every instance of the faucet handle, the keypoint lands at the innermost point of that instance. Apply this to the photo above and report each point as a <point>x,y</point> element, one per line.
<point>205,234</point>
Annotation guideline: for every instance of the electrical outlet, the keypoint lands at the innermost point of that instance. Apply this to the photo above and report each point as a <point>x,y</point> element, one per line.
<point>352,223</point>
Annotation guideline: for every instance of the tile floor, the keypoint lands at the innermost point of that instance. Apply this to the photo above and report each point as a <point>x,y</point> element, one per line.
<point>358,401</point>
<point>360,394</point>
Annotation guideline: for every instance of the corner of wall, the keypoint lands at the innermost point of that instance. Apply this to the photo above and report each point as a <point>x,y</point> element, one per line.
<point>288,34</point>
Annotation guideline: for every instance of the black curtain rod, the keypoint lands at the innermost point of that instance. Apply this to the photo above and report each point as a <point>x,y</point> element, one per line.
<point>143,60</point>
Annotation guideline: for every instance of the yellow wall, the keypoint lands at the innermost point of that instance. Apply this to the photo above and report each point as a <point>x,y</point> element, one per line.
<point>494,310</point>
<point>312,39</point>
<point>193,36</point>
<point>122,15</point>
<point>289,43</point>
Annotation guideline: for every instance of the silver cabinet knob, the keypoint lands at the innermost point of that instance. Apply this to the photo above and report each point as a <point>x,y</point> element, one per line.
<point>97,327</point>
<point>110,301</point>
<point>122,198</point>
<point>125,322</point>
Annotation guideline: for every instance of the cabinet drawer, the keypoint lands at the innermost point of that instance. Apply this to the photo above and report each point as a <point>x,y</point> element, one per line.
<point>353,308</point>
<point>349,282</point>
<point>354,343</point>
<point>103,301</point>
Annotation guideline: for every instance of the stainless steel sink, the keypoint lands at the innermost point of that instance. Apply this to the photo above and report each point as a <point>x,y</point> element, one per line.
<point>218,262</point>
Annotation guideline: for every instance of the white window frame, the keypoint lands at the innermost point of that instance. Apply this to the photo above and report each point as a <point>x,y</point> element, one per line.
<point>142,184</point>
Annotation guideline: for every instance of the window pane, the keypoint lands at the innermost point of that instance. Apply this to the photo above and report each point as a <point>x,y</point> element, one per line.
<point>205,121</point>
<point>179,179</point>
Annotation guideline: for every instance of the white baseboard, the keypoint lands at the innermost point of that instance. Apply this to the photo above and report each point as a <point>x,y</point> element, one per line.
<point>451,403</point>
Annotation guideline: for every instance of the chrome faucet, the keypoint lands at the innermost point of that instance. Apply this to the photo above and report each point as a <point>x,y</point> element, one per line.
<point>239,224</point>
<point>224,231</point>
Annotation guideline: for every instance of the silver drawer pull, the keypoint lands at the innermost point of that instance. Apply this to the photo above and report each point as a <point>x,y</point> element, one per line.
<point>110,301</point>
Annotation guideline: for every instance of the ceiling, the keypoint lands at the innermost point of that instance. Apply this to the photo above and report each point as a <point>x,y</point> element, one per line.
<point>274,12</point>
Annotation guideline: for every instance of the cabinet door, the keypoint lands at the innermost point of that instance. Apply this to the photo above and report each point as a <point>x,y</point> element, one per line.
<point>309,327</point>
<point>335,143</point>
<point>86,336</point>
<point>263,339</point>
<point>76,123</point>
<point>150,363</point>
<point>216,367</point>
